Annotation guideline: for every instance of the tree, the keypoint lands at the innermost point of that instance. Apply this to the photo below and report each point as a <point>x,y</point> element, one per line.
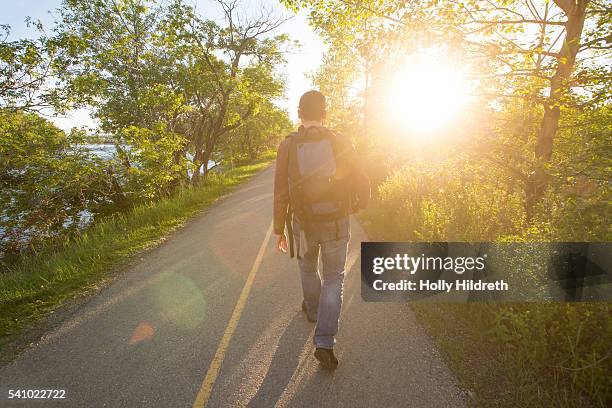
<point>546,42</point>
<point>262,131</point>
<point>29,73</point>
<point>110,50</point>
<point>48,184</point>
<point>140,64</point>
<point>228,72</point>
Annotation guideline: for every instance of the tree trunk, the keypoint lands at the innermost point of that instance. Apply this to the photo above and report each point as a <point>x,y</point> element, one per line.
<point>251,146</point>
<point>205,161</point>
<point>576,13</point>
<point>558,84</point>
<point>117,195</point>
<point>197,165</point>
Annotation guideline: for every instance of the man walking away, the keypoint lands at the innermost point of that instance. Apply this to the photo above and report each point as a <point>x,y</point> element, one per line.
<point>319,181</point>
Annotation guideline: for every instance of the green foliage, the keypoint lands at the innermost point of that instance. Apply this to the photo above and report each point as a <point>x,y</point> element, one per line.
<point>28,69</point>
<point>170,88</point>
<point>155,163</point>
<point>578,202</point>
<point>110,56</point>
<point>551,354</point>
<point>47,182</point>
<point>570,340</point>
<point>525,355</point>
<point>435,202</point>
<point>146,64</point>
<point>263,131</point>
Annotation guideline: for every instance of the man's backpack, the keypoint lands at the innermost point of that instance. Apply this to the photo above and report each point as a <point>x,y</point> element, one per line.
<point>319,190</point>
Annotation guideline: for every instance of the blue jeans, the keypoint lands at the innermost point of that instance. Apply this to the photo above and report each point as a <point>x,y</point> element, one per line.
<point>323,289</point>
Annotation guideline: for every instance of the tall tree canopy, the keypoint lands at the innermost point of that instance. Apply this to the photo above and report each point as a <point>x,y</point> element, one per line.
<point>165,68</point>
<point>539,73</point>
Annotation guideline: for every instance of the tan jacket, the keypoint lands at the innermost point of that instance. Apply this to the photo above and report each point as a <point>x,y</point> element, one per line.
<point>281,180</point>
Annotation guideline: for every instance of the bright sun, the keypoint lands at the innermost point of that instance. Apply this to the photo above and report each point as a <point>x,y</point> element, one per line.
<point>426,94</point>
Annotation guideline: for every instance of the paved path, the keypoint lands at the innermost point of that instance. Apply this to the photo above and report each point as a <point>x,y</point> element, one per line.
<point>149,338</point>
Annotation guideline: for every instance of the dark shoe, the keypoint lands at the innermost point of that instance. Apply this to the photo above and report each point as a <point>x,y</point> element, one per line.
<point>310,319</point>
<point>326,358</point>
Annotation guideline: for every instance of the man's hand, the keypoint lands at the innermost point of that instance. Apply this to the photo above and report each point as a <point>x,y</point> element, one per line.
<point>281,243</point>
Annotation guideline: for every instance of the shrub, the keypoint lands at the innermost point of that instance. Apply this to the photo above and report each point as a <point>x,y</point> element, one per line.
<point>48,185</point>
<point>434,202</point>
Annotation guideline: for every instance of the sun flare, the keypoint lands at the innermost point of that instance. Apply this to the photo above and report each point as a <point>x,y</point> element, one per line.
<point>426,94</point>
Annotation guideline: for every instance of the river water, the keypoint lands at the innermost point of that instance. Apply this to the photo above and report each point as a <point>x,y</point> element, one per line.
<point>107,151</point>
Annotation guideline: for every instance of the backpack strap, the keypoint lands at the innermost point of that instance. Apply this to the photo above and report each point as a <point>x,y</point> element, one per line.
<point>289,223</point>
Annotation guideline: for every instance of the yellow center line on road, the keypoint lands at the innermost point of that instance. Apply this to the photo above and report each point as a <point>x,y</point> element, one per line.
<point>215,364</point>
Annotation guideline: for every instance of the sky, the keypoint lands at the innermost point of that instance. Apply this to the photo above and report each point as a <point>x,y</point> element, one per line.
<point>299,63</point>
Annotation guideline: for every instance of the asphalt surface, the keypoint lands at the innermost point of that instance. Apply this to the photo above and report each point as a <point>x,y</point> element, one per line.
<point>147,339</point>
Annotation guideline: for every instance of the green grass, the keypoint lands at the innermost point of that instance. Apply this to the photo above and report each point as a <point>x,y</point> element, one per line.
<point>519,355</point>
<point>527,355</point>
<point>40,283</point>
